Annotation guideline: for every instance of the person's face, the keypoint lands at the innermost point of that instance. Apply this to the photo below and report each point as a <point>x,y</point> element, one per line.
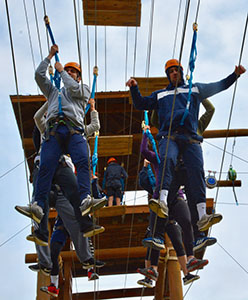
<point>175,74</point>
<point>73,73</point>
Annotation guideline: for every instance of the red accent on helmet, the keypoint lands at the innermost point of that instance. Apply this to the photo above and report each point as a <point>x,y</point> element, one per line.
<point>111,159</point>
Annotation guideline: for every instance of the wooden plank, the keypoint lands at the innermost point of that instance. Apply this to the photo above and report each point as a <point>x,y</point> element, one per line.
<point>112,211</point>
<point>113,145</point>
<point>114,294</point>
<point>112,12</point>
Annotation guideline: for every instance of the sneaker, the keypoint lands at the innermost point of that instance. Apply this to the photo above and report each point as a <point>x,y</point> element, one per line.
<point>202,242</point>
<point>149,272</point>
<point>89,205</point>
<point>208,220</point>
<point>190,278</point>
<point>51,290</point>
<point>32,211</point>
<point>92,275</point>
<point>90,263</point>
<point>159,208</point>
<point>154,243</point>
<point>37,267</point>
<point>195,263</point>
<point>37,239</point>
<point>145,282</point>
<point>93,230</point>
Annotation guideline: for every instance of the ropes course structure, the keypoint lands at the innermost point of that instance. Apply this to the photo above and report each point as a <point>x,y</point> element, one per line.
<point>128,254</point>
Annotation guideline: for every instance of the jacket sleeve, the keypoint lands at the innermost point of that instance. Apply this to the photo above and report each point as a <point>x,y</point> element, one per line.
<point>39,118</point>
<point>42,80</point>
<point>75,88</point>
<point>143,103</point>
<point>124,173</point>
<point>206,117</point>
<point>94,123</point>
<point>209,89</point>
<point>148,154</point>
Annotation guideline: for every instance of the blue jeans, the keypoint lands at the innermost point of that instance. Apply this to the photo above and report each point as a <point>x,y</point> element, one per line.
<point>49,158</point>
<point>193,162</point>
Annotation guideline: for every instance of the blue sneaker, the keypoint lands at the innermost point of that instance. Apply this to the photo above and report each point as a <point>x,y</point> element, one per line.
<point>154,243</point>
<point>202,242</point>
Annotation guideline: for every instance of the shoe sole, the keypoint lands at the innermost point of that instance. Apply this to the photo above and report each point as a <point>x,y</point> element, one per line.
<point>145,284</point>
<point>98,205</point>
<point>205,244</point>
<point>27,214</point>
<point>214,220</point>
<point>151,244</point>
<point>154,206</point>
<point>36,240</point>
<point>92,266</point>
<point>148,275</point>
<point>94,232</point>
<point>191,280</point>
<point>52,294</point>
<point>93,208</point>
<point>197,266</point>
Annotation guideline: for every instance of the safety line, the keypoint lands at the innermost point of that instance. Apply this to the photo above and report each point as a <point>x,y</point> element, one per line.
<point>10,170</point>
<point>175,39</point>
<point>236,156</point>
<point>231,110</point>
<point>14,235</point>
<point>47,36</point>
<point>37,29</point>
<point>18,96</point>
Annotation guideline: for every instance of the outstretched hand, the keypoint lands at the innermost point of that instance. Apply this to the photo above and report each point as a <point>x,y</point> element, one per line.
<point>239,70</point>
<point>131,82</point>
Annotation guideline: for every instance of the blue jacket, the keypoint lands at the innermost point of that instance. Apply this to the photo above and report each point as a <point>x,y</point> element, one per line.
<point>162,101</point>
<point>114,172</point>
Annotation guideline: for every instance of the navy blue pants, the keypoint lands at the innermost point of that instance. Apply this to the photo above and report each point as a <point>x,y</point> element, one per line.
<point>193,161</point>
<point>49,158</point>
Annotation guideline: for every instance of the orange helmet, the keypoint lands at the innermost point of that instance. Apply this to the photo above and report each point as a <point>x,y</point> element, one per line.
<point>73,65</point>
<point>111,159</point>
<point>172,63</point>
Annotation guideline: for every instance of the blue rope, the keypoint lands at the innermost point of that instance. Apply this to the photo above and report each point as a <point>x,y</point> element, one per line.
<point>56,77</point>
<point>92,95</point>
<point>95,156</point>
<point>150,136</point>
<point>151,176</point>
<point>193,54</point>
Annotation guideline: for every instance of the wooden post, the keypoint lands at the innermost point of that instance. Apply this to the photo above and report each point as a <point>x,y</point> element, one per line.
<point>42,280</point>
<point>67,288</point>
<point>160,284</point>
<point>174,273</point>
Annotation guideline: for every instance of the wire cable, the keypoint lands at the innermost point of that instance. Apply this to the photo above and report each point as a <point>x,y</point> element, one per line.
<point>37,29</point>
<point>14,235</point>
<point>177,26</point>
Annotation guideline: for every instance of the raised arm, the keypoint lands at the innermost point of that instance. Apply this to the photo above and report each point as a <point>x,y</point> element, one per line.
<point>139,102</point>
<point>94,119</point>
<point>41,79</point>
<point>209,89</point>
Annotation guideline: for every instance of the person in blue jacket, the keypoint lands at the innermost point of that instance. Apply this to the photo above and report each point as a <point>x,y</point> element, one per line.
<point>174,113</point>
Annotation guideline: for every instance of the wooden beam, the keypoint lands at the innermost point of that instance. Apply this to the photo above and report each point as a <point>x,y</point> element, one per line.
<point>113,145</point>
<point>42,280</point>
<point>103,254</point>
<point>222,133</point>
<point>115,293</point>
<point>228,183</point>
<point>160,284</point>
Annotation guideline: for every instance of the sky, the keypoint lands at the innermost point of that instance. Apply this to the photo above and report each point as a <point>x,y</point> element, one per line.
<point>220,32</point>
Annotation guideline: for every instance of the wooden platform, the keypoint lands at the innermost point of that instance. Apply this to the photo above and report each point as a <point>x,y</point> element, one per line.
<point>112,12</point>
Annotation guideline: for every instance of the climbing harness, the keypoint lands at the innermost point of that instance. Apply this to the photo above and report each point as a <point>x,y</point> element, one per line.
<point>92,95</point>
<point>210,180</point>
<point>149,135</point>
<point>193,54</point>
<point>95,155</point>
<point>56,78</point>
